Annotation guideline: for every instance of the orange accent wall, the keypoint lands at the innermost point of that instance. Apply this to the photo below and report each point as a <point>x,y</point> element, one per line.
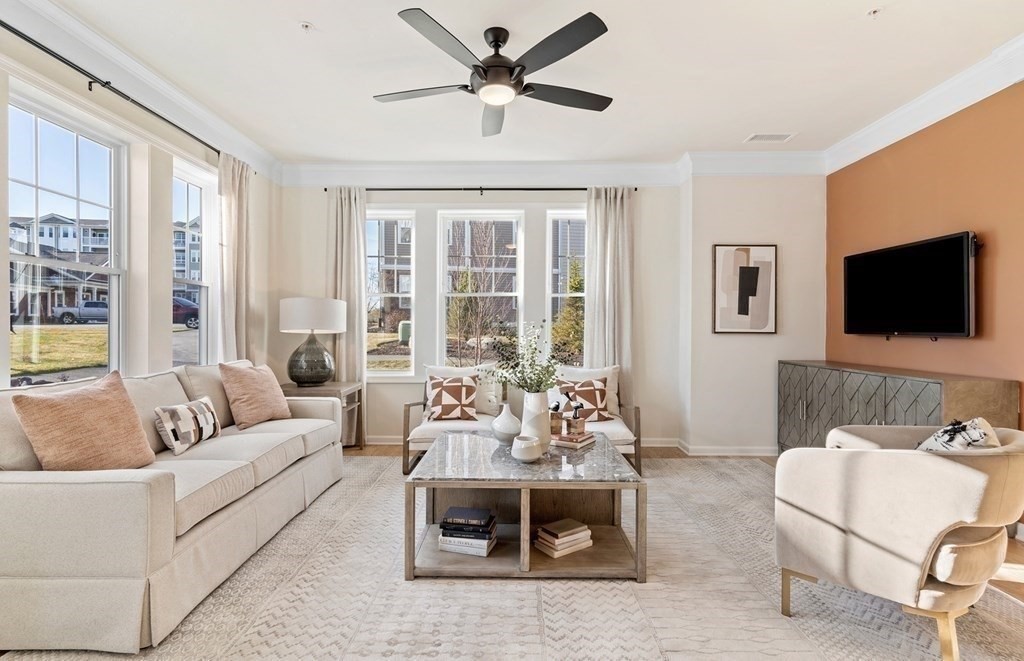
<point>963,173</point>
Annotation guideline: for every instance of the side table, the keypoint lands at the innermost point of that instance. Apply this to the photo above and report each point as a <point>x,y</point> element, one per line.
<point>351,395</point>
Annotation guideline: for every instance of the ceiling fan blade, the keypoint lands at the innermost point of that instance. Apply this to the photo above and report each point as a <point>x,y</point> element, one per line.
<point>567,96</point>
<point>415,94</point>
<point>566,41</point>
<point>439,36</point>
<point>494,117</point>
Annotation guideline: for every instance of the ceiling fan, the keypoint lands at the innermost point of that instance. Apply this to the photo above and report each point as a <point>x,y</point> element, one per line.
<point>498,79</point>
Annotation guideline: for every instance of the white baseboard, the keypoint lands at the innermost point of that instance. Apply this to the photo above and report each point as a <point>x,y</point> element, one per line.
<point>727,450</point>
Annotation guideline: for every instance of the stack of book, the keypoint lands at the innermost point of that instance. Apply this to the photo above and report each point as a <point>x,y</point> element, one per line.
<point>563,537</point>
<point>572,441</point>
<point>468,530</point>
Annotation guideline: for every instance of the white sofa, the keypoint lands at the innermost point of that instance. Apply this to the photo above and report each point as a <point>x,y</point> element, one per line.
<point>114,560</point>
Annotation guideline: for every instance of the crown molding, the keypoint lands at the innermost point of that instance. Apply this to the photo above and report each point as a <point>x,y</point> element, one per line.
<point>753,163</point>
<point>539,174</point>
<point>1003,68</point>
<point>53,25</point>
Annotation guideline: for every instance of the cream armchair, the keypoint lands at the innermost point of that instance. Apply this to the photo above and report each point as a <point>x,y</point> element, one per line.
<point>870,512</point>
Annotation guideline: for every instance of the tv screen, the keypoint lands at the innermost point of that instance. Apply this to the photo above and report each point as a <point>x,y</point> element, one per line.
<point>924,288</point>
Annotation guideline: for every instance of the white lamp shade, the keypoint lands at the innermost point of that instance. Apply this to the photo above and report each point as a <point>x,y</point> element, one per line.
<point>319,315</point>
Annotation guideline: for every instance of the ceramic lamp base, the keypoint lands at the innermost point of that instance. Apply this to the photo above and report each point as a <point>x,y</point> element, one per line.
<point>311,364</point>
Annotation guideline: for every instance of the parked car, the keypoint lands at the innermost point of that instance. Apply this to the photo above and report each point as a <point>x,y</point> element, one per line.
<point>81,314</point>
<point>185,312</point>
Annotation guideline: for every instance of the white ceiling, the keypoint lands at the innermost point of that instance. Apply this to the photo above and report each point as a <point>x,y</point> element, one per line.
<point>686,75</point>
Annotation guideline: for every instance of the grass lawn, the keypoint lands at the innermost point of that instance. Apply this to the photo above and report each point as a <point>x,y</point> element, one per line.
<point>374,340</point>
<point>48,349</point>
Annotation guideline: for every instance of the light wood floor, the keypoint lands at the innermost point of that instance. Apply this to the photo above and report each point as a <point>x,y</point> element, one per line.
<point>1014,554</point>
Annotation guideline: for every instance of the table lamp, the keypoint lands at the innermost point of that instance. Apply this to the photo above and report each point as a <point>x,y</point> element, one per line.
<point>312,364</point>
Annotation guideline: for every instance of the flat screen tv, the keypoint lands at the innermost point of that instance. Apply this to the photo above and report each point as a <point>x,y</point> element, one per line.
<point>924,288</point>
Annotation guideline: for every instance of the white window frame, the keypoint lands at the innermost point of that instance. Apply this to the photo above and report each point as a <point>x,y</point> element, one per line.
<point>26,100</point>
<point>209,282</point>
<point>406,301</point>
<point>445,215</point>
<point>553,215</point>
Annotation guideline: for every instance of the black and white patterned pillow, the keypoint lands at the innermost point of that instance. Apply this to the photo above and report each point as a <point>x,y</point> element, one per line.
<point>183,425</point>
<point>957,436</point>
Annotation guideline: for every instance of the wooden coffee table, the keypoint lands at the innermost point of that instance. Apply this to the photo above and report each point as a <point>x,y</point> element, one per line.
<point>474,470</point>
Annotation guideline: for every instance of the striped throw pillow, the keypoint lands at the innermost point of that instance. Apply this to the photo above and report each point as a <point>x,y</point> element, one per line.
<point>184,425</point>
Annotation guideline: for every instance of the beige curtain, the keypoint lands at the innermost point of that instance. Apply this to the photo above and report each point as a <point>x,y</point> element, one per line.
<point>346,268</point>
<point>233,186</point>
<point>608,278</point>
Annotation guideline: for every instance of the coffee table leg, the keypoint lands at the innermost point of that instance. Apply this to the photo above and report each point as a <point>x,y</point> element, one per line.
<point>641,533</point>
<point>524,530</point>
<point>410,530</point>
<point>617,507</point>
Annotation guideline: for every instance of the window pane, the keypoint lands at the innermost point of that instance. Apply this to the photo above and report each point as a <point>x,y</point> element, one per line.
<point>567,329</point>
<point>185,324</point>
<point>568,249</point>
<point>57,212</point>
<point>55,335</point>
<point>475,324</point>
<point>23,213</point>
<point>481,256</point>
<point>179,201</point>
<point>94,171</point>
<point>195,211</point>
<point>56,158</point>
<point>21,158</point>
<point>388,335</point>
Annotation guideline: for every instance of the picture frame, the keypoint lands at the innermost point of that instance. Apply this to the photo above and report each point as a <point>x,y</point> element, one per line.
<point>744,290</point>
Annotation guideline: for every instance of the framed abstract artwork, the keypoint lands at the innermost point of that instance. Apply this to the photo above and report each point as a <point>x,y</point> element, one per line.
<point>744,294</point>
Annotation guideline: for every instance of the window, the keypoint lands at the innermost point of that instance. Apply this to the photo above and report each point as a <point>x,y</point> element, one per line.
<point>481,286</point>
<point>59,178</point>
<point>568,251</point>
<point>190,289</point>
<point>388,276</point>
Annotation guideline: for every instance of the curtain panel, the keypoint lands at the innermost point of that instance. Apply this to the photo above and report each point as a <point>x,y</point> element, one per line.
<point>608,290</point>
<point>233,186</point>
<point>346,269</point>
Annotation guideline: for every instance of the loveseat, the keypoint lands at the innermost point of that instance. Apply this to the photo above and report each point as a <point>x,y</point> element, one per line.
<point>114,560</point>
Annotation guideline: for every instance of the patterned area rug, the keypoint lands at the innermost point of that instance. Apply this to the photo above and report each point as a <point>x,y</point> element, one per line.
<point>330,586</point>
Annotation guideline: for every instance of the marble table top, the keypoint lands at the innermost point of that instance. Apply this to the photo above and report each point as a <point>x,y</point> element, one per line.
<point>479,456</point>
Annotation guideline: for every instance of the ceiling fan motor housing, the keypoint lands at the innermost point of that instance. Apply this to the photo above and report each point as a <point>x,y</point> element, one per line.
<point>498,71</point>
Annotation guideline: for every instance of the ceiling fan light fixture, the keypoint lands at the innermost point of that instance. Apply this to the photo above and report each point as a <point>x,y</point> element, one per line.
<point>496,94</point>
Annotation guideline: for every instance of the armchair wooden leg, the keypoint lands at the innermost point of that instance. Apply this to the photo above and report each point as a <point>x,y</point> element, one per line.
<point>787,576</point>
<point>947,629</point>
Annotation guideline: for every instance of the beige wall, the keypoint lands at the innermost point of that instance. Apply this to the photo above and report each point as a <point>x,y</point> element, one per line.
<point>732,404</point>
<point>297,266</point>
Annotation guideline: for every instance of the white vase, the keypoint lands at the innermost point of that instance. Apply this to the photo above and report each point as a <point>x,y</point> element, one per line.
<point>536,417</point>
<point>506,426</point>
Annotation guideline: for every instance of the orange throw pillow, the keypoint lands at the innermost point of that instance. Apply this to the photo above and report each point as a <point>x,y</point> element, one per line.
<point>95,427</point>
<point>253,395</point>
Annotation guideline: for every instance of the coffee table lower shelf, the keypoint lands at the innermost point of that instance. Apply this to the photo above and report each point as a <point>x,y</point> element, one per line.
<point>611,556</point>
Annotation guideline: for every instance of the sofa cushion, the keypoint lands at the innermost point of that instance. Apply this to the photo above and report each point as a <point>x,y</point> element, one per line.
<point>615,429</point>
<point>16,452</point>
<point>253,394</point>
<point>203,486</point>
<point>204,381</point>
<point>316,434</point>
<point>968,555</point>
<point>269,454</point>
<point>95,427</point>
<point>150,392</point>
<point>582,374</point>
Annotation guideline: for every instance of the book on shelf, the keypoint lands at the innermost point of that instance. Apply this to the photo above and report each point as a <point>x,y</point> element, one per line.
<point>563,528</point>
<point>458,534</point>
<point>562,441</point>
<point>467,516</point>
<point>445,545</point>
<point>561,543</point>
<point>462,541</point>
<point>558,553</point>
<point>460,527</point>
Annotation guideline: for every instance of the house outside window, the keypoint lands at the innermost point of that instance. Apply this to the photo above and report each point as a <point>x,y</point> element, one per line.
<point>389,282</point>
<point>61,181</point>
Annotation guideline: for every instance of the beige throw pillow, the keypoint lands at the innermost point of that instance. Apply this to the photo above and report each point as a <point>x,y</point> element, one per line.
<point>253,395</point>
<point>95,427</point>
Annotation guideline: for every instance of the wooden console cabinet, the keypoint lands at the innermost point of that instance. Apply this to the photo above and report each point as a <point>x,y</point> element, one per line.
<point>816,396</point>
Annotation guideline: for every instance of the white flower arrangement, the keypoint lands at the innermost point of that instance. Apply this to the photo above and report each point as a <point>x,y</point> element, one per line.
<point>527,368</point>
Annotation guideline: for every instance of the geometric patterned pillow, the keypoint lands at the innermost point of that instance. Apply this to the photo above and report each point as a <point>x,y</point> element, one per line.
<point>957,436</point>
<point>592,393</point>
<point>184,425</point>
<point>452,398</point>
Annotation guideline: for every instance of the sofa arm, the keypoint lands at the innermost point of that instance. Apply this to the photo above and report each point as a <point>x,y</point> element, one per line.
<point>320,408</point>
<point>878,437</point>
<point>117,523</point>
<point>406,411</point>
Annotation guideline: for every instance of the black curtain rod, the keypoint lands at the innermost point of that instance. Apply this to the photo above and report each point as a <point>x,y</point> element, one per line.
<point>96,80</point>
<point>474,189</point>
